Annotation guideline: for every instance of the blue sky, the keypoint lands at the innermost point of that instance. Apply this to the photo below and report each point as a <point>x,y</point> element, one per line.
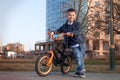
<point>22,21</point>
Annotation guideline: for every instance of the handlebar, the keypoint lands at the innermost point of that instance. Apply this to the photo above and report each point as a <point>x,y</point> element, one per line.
<point>58,36</point>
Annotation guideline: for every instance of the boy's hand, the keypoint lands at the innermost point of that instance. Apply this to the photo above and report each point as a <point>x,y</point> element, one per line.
<point>69,34</point>
<point>52,35</point>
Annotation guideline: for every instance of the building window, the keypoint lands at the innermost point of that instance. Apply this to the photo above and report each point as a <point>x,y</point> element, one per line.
<point>97,3</point>
<point>42,48</point>
<point>37,48</point>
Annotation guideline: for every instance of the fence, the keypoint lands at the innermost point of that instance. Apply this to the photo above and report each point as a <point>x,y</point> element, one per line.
<point>96,48</point>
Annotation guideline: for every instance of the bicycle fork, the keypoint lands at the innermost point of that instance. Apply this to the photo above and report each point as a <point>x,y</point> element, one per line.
<point>51,57</point>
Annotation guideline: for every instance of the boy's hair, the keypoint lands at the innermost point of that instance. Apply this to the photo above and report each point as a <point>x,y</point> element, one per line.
<point>71,10</point>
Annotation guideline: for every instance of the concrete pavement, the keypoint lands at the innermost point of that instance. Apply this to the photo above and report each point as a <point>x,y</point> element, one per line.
<point>5,75</point>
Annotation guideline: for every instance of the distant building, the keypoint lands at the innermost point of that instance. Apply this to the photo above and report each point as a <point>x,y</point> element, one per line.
<point>98,22</point>
<point>11,55</point>
<point>16,47</point>
<point>0,45</point>
<point>55,13</point>
<point>54,17</point>
<point>0,48</point>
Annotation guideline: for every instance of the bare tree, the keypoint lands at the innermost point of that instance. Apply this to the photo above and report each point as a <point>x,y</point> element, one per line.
<point>116,15</point>
<point>96,16</point>
<point>99,16</point>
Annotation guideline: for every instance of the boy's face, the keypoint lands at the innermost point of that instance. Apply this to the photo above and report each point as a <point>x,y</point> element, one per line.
<point>71,16</point>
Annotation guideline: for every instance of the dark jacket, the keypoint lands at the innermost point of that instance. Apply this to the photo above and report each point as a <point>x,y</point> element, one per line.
<point>76,29</point>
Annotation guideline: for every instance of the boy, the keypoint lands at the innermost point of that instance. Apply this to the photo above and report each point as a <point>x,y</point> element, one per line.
<point>73,38</point>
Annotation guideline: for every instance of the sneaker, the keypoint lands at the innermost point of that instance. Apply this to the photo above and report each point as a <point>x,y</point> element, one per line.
<point>76,74</point>
<point>82,75</point>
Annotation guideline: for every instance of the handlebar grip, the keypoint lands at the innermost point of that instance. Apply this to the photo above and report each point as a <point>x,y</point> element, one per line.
<point>48,32</point>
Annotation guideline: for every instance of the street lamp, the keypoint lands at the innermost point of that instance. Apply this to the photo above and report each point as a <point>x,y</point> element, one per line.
<point>112,47</point>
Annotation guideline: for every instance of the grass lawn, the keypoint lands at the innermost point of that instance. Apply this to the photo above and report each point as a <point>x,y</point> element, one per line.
<point>99,66</point>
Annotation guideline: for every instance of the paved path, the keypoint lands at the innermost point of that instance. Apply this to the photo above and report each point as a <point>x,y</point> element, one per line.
<point>56,76</point>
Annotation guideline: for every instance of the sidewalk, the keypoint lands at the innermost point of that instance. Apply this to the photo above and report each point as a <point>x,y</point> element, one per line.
<point>5,75</point>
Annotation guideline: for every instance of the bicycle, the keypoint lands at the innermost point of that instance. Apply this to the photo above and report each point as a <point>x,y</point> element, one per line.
<point>45,61</point>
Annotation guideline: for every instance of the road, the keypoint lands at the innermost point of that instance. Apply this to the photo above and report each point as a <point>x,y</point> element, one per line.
<point>5,75</point>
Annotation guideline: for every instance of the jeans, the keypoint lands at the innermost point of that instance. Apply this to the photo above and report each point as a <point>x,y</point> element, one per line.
<point>79,53</point>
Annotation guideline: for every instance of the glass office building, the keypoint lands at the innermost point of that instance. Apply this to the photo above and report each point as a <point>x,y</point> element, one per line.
<point>55,13</point>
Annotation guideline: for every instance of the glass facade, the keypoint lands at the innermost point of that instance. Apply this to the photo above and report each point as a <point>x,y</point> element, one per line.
<point>55,13</point>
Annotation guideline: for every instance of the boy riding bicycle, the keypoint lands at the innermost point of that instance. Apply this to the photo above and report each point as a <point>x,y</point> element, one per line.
<point>73,38</point>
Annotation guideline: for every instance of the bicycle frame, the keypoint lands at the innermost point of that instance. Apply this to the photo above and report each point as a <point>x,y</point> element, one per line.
<point>51,58</point>
<point>52,53</point>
